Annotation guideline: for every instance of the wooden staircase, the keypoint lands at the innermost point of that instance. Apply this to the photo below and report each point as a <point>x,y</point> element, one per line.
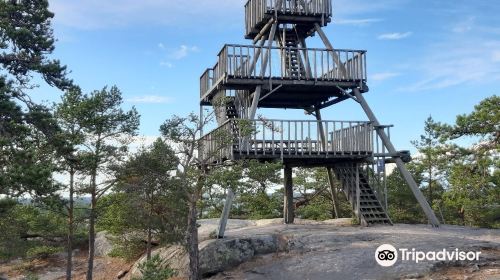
<point>370,211</point>
<point>227,110</point>
<point>294,67</point>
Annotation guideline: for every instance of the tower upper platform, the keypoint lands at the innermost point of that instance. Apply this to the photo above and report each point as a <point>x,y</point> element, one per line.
<point>303,13</point>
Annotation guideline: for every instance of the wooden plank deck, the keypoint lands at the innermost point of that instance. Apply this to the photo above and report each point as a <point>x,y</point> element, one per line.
<point>285,139</point>
<point>242,67</point>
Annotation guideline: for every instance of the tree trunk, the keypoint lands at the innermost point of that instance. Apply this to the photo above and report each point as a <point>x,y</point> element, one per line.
<point>192,240</point>
<point>69,258</point>
<point>90,261</point>
<point>461,214</point>
<point>148,246</point>
<point>430,184</point>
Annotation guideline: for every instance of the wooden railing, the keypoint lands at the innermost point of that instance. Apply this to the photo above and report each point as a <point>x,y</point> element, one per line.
<point>251,62</point>
<point>287,138</point>
<point>257,11</point>
<point>206,81</point>
<point>217,145</point>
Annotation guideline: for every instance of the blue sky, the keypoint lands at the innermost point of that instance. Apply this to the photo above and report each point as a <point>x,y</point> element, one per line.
<point>425,57</point>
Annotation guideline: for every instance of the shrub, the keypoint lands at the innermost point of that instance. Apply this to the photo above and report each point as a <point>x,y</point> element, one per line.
<point>153,269</point>
<point>43,252</point>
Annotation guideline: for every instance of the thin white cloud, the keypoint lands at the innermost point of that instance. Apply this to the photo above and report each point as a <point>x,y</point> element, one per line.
<point>182,52</point>
<point>394,36</point>
<point>465,26</point>
<point>358,22</point>
<point>178,53</point>
<point>142,141</point>
<point>98,14</point>
<point>383,76</point>
<point>495,56</point>
<point>458,62</point>
<point>151,99</point>
<point>344,8</point>
<point>166,64</point>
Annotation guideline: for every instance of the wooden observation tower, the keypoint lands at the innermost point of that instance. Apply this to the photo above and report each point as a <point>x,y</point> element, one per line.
<point>279,71</point>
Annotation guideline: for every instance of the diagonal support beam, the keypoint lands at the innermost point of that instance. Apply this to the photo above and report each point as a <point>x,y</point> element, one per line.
<point>263,31</point>
<point>329,170</point>
<point>271,92</point>
<point>332,102</point>
<point>399,162</point>
<point>270,40</point>
<point>347,94</point>
<point>255,103</point>
<point>225,213</point>
<point>306,57</point>
<point>329,46</point>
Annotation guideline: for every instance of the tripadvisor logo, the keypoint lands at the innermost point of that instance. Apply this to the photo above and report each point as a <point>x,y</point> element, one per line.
<point>387,255</point>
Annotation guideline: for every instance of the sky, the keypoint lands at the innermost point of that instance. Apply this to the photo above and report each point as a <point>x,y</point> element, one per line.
<point>425,57</point>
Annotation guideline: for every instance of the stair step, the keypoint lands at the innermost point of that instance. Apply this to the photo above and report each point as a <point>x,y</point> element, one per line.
<point>377,220</point>
<point>370,201</point>
<point>370,207</point>
<point>371,210</point>
<point>366,213</point>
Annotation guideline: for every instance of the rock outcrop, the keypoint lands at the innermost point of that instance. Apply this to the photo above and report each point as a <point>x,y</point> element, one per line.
<point>103,245</point>
<point>217,255</point>
<point>269,249</point>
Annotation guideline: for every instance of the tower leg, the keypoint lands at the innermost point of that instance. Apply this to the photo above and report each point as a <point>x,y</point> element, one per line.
<point>400,164</point>
<point>288,208</point>
<point>225,213</point>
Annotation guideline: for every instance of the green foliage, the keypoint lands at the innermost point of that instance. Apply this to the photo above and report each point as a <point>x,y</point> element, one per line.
<point>27,229</point>
<point>403,206</point>
<point>465,180</point>
<point>251,180</point>
<point>431,160</point>
<point>147,199</point>
<point>128,247</point>
<point>30,276</point>
<point>27,142</point>
<point>26,40</point>
<point>484,122</point>
<point>43,252</point>
<point>153,269</point>
<point>262,175</point>
<point>319,209</point>
<point>315,201</point>
<point>259,205</point>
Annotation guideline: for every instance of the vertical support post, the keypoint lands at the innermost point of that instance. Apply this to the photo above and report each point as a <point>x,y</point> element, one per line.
<point>385,189</point>
<point>329,170</point>
<point>201,121</point>
<point>289,208</point>
<point>358,194</point>
<point>400,164</point>
<point>225,213</point>
<point>201,147</point>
